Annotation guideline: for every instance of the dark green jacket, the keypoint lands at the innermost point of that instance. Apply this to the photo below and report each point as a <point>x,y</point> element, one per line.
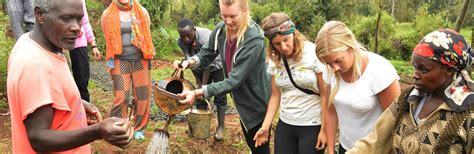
<point>248,81</point>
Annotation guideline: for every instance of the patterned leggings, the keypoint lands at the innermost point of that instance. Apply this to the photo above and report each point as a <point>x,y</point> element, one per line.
<point>137,74</point>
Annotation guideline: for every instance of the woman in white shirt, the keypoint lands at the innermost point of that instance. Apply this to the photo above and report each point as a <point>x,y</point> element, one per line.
<point>363,84</point>
<point>300,128</point>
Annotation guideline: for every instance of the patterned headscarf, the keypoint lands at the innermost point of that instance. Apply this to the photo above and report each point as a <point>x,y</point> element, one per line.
<point>446,47</point>
<point>141,35</point>
<point>451,49</point>
<point>285,28</point>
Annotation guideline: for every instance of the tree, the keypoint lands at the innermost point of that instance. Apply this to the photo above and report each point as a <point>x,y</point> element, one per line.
<point>462,15</point>
<point>393,8</point>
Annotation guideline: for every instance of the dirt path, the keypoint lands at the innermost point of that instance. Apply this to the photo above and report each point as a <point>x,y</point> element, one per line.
<point>180,140</point>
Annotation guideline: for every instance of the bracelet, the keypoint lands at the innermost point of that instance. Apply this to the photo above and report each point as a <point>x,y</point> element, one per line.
<point>94,46</point>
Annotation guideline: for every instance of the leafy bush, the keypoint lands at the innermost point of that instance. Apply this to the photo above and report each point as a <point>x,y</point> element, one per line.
<point>405,39</point>
<point>165,43</point>
<point>7,44</point>
<point>364,29</point>
<point>425,22</point>
<point>307,15</point>
<point>206,10</point>
<point>404,69</point>
<point>157,10</point>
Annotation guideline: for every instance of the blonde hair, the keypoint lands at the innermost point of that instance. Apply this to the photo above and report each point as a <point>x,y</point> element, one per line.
<point>275,20</point>
<point>244,25</point>
<point>336,37</point>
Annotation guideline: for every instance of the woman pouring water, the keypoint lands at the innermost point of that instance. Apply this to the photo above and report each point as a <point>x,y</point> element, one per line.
<point>240,43</point>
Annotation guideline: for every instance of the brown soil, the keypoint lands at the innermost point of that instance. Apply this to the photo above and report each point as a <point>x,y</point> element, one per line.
<point>179,141</point>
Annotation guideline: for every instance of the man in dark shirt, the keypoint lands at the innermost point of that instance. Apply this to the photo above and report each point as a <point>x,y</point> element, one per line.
<point>191,39</point>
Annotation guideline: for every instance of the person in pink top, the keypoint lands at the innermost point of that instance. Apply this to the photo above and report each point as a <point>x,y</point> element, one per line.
<point>80,57</point>
<point>47,113</point>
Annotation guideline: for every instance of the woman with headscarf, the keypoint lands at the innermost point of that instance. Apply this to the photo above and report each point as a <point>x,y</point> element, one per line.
<point>437,114</point>
<point>129,49</point>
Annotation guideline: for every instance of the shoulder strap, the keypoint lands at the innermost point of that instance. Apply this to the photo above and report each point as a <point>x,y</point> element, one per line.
<point>293,82</point>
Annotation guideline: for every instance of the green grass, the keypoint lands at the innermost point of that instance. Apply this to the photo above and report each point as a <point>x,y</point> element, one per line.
<point>404,29</point>
<point>466,32</point>
<point>404,68</point>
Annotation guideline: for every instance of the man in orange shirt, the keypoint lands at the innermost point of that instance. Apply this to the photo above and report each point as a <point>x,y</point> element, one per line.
<point>47,113</point>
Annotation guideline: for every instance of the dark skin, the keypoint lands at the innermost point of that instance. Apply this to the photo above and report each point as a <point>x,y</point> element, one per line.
<point>186,34</point>
<point>54,30</point>
<point>432,78</point>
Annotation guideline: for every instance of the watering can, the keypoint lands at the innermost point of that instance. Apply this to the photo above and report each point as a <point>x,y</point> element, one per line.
<point>166,91</point>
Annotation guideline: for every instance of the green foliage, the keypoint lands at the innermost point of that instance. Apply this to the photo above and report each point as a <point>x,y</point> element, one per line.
<point>404,68</point>
<point>7,44</point>
<point>405,39</point>
<point>206,10</point>
<point>157,10</point>
<point>307,15</point>
<point>308,18</point>
<point>260,11</point>
<point>425,22</point>
<point>365,27</point>
<point>165,42</point>
<point>94,10</point>
<point>3,4</point>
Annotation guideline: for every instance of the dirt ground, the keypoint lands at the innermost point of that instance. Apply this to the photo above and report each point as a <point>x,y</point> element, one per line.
<point>179,141</point>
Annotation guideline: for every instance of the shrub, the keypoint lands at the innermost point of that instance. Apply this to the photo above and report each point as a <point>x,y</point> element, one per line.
<point>7,44</point>
<point>425,22</point>
<point>165,43</point>
<point>364,29</point>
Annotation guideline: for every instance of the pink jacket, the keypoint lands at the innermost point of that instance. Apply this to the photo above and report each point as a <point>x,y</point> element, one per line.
<point>87,34</point>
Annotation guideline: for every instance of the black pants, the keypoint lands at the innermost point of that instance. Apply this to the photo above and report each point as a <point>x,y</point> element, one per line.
<point>262,149</point>
<point>296,139</point>
<point>80,70</point>
<point>219,100</point>
<point>341,150</point>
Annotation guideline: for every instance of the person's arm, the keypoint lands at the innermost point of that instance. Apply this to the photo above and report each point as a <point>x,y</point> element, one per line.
<point>241,70</point>
<point>90,34</point>
<point>331,127</point>
<point>322,136</point>
<point>262,135</point>
<point>389,94</point>
<point>43,139</point>
<point>16,13</point>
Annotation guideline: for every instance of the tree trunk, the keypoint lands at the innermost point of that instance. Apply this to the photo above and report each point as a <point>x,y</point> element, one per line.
<point>377,31</point>
<point>392,13</point>
<point>450,2</point>
<point>462,15</point>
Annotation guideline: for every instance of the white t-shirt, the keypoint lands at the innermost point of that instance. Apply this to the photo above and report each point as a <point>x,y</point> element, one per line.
<point>296,107</point>
<point>357,104</point>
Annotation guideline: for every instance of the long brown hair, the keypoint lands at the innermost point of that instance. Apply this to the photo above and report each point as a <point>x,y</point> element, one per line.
<point>275,20</point>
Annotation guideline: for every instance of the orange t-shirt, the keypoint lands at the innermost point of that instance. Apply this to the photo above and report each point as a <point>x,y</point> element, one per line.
<point>37,77</point>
